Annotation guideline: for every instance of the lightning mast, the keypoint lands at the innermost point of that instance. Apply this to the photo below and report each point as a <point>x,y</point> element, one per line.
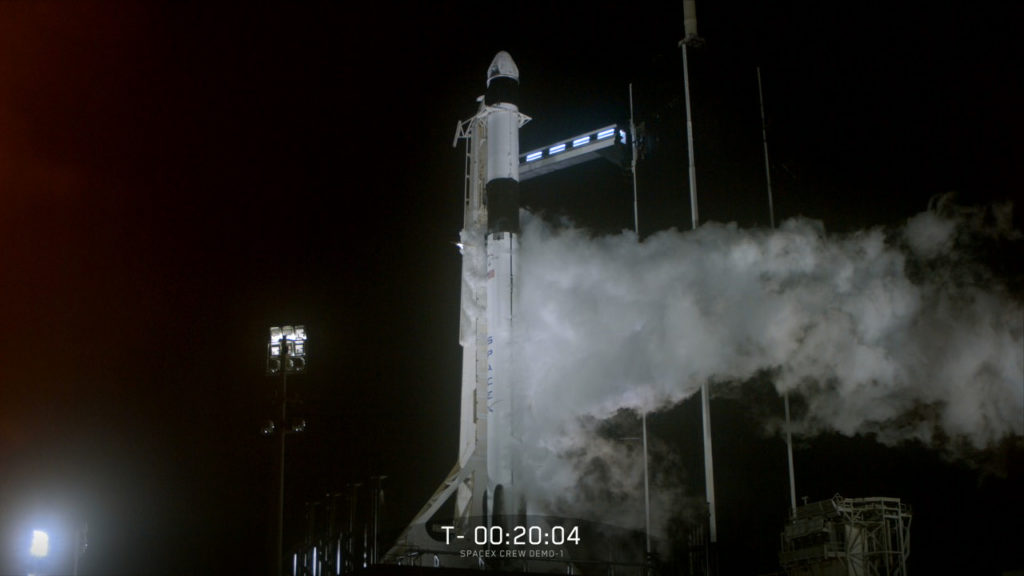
<point>771,219</point>
<point>692,39</point>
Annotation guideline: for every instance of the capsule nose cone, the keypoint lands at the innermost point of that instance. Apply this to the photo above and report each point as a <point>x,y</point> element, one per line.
<point>502,66</point>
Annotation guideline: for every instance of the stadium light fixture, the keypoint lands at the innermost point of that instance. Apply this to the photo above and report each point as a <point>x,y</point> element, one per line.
<point>286,350</point>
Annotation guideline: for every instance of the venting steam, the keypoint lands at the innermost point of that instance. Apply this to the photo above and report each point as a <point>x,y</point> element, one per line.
<point>889,332</point>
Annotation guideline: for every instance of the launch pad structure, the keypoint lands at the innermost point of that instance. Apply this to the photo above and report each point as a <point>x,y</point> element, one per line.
<point>483,490</point>
<point>480,517</point>
<point>847,537</point>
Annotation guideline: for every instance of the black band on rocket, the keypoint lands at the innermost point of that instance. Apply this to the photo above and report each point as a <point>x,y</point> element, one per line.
<point>502,89</point>
<point>503,206</point>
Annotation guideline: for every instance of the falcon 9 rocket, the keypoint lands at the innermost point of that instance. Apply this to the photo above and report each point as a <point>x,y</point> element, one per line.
<point>481,488</point>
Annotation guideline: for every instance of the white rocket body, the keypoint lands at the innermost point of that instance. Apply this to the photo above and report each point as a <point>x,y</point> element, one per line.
<point>502,197</point>
<point>483,480</point>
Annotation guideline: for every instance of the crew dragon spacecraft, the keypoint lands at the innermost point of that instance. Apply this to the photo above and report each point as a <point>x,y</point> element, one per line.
<point>482,489</point>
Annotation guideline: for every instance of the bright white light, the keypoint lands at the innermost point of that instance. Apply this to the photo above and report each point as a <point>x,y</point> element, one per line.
<point>580,141</point>
<point>622,136</point>
<point>606,133</point>
<point>40,546</point>
<point>556,149</point>
<point>534,155</point>
<point>290,333</point>
<point>286,342</point>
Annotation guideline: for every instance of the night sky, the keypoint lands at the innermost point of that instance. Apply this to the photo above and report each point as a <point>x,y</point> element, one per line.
<point>178,177</point>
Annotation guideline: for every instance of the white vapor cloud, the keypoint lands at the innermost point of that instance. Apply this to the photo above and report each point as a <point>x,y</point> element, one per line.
<point>879,332</point>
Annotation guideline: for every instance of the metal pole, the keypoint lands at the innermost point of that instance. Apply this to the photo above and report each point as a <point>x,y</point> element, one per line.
<point>789,456</point>
<point>636,207</point>
<point>279,549</point>
<point>647,496</point>
<point>636,229</point>
<point>709,467</point>
<point>689,140</point>
<point>709,472</point>
<point>771,218</point>
<point>375,512</point>
<point>81,542</point>
<point>764,139</point>
<point>78,550</point>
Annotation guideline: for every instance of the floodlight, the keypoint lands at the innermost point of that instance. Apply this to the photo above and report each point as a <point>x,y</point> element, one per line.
<point>286,354</point>
<point>608,133</point>
<point>556,149</point>
<point>40,547</point>
<point>534,155</point>
<point>580,141</point>
<point>286,350</point>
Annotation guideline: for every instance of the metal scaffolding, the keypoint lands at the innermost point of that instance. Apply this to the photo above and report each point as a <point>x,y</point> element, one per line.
<point>848,537</point>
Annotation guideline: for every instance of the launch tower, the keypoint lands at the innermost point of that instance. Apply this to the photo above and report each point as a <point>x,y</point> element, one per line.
<point>848,537</point>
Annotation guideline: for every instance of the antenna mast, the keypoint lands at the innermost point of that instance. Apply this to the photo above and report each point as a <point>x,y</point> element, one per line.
<point>632,139</point>
<point>771,218</point>
<point>692,39</point>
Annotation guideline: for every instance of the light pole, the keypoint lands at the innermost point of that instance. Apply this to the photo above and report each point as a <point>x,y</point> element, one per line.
<point>81,545</point>
<point>647,493</point>
<point>375,512</point>
<point>286,354</point>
